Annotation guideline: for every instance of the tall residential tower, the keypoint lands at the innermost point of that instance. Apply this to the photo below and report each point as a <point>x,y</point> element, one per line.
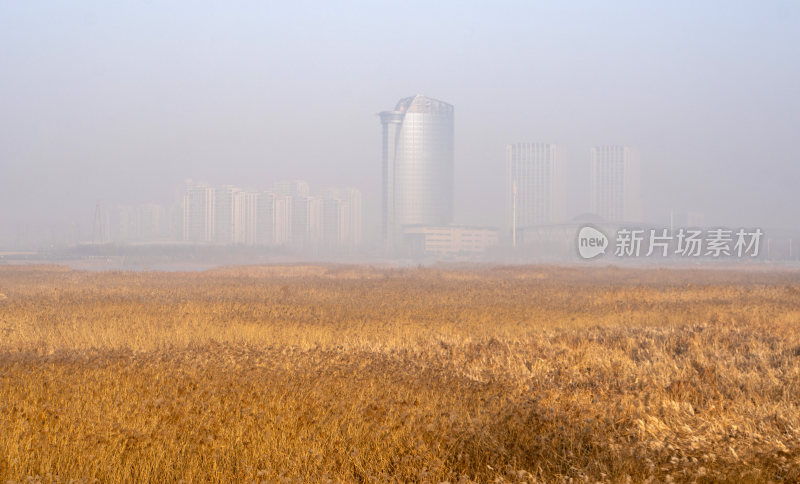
<point>198,207</point>
<point>614,183</point>
<point>535,185</point>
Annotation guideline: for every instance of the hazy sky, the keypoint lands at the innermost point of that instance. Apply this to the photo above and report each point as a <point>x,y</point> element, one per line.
<point>121,101</point>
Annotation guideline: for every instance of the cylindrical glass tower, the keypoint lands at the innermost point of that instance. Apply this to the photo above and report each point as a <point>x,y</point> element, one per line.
<point>417,165</point>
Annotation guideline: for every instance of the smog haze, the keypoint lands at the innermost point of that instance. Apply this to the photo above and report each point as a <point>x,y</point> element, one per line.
<point>122,102</point>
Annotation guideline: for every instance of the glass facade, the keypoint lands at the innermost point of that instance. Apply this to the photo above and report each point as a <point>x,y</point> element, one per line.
<point>418,164</point>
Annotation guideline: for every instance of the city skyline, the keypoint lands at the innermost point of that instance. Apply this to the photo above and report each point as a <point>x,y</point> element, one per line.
<point>120,102</point>
<point>286,215</point>
<point>419,182</point>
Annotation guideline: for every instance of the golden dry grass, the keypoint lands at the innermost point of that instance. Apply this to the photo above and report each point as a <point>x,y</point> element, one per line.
<point>358,374</point>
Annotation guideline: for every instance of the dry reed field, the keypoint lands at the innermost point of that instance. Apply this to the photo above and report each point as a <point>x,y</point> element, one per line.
<point>360,374</point>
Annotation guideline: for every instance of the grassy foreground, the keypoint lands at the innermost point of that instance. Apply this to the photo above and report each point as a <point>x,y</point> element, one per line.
<point>358,374</point>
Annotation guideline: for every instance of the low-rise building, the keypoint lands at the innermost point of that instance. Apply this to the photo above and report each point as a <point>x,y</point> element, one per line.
<point>448,240</point>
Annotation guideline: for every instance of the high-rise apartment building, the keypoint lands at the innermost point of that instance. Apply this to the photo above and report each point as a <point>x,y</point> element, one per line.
<point>535,185</point>
<point>245,218</point>
<point>355,211</point>
<point>282,220</point>
<point>296,188</point>
<point>615,183</point>
<point>139,223</point>
<point>341,218</point>
<point>198,206</point>
<point>153,222</point>
<point>417,156</point>
<point>265,218</point>
<point>225,214</point>
<point>306,221</point>
<point>304,213</point>
<point>101,228</point>
<point>286,216</point>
